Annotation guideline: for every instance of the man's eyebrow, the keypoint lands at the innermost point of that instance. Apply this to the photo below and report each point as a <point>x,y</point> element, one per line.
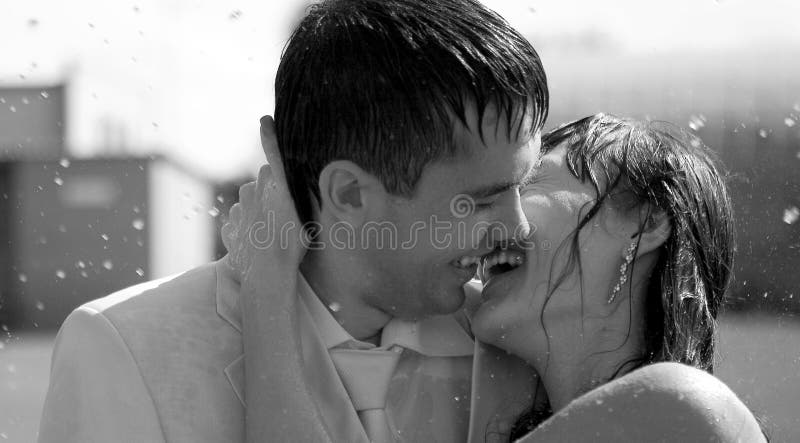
<point>497,188</point>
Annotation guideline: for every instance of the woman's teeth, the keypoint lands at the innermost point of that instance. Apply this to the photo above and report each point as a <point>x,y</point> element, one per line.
<point>513,258</point>
<point>508,257</point>
<point>467,261</point>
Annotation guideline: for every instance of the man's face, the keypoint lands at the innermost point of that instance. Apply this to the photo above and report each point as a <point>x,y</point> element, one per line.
<point>461,208</point>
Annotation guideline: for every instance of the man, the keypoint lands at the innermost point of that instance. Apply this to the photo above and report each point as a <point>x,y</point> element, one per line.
<point>408,126</point>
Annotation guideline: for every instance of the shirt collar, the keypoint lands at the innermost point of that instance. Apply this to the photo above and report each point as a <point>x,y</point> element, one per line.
<point>439,336</point>
<point>331,332</point>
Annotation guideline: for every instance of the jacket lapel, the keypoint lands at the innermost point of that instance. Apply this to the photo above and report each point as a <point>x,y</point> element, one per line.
<point>228,310</point>
<point>331,403</point>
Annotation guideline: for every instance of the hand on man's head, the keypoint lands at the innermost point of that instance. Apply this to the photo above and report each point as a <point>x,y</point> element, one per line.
<point>253,233</point>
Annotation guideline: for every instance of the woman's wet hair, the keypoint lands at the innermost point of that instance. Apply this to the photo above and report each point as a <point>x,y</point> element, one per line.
<point>658,167</point>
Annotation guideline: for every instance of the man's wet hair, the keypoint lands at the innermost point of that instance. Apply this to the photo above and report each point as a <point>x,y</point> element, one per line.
<point>382,83</point>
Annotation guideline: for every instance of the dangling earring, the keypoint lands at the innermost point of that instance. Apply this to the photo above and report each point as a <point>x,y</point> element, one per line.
<point>623,271</point>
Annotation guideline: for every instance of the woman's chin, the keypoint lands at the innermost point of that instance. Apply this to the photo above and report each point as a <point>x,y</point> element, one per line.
<point>491,325</point>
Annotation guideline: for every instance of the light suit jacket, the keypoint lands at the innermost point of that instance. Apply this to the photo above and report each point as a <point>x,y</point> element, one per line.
<point>163,362</point>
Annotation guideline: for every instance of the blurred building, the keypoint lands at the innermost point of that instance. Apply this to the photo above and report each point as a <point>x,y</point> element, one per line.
<point>76,229</point>
<point>32,123</point>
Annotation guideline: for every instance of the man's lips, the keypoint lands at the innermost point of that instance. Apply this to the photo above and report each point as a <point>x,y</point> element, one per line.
<point>468,265</point>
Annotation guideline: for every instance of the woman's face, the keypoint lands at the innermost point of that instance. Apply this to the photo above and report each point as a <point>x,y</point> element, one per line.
<point>514,315</point>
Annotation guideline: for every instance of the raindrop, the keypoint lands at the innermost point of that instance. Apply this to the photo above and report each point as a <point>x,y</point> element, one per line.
<point>235,14</point>
<point>12,108</point>
<point>599,401</point>
<point>335,307</point>
<point>44,94</point>
<point>766,294</point>
<point>214,212</point>
<point>697,122</point>
<point>64,163</point>
<point>23,278</point>
<point>140,272</point>
<point>84,274</point>
<point>457,398</point>
<point>136,209</point>
<point>788,121</point>
<point>762,133</point>
<point>25,101</point>
<point>220,198</point>
<point>104,237</point>
<point>155,125</point>
<point>138,224</point>
<point>91,25</point>
<point>108,264</point>
<point>40,306</point>
<point>796,107</point>
<point>32,22</point>
<point>136,9</point>
<point>61,274</point>
<point>2,100</point>
<point>791,215</point>
<point>81,264</point>
<point>58,180</point>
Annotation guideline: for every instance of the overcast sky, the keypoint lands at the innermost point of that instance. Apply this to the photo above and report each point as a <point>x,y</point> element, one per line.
<point>190,78</point>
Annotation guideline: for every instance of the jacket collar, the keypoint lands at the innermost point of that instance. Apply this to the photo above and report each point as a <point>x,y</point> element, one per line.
<point>228,294</point>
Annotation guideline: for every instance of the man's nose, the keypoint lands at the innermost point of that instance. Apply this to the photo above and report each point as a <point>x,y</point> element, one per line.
<point>512,223</point>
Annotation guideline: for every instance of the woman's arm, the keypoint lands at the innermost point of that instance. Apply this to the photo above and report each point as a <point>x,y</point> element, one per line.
<point>267,263</point>
<point>660,402</point>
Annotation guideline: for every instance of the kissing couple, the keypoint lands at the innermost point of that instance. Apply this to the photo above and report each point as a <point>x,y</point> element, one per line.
<point>450,273</point>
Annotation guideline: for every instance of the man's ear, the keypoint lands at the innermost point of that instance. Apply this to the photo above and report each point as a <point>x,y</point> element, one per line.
<point>655,230</point>
<point>344,189</point>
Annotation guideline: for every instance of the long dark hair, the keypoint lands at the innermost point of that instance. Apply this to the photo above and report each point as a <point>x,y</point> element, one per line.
<point>669,170</point>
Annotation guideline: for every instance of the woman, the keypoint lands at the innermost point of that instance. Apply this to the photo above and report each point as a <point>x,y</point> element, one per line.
<point>628,264</point>
<point>612,300</point>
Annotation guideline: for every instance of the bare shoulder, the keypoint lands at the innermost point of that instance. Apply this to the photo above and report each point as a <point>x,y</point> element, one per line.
<point>660,402</point>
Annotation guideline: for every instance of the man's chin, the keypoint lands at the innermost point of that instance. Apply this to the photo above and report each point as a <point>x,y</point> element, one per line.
<point>452,301</point>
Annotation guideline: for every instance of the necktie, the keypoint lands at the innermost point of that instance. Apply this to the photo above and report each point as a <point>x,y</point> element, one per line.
<point>366,376</point>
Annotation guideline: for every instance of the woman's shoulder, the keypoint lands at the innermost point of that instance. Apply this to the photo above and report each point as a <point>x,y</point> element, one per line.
<point>659,402</point>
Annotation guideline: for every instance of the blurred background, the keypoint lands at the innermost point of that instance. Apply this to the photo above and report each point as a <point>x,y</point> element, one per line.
<point>126,128</point>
